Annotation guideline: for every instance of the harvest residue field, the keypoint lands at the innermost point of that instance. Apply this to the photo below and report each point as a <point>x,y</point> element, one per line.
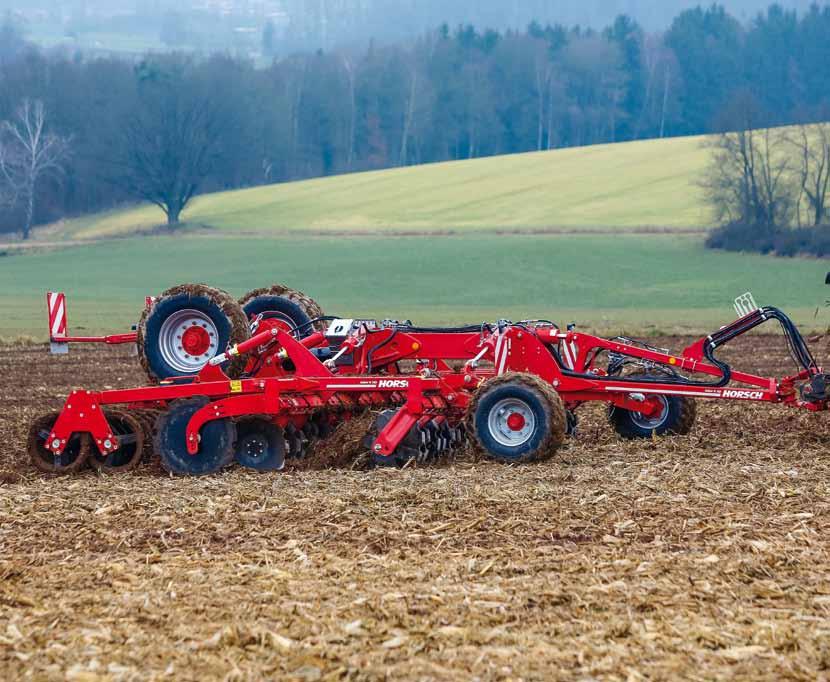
<point>704,556</point>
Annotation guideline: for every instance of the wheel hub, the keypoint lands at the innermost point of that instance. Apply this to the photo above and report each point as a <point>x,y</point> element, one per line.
<point>255,447</point>
<point>656,419</point>
<point>196,340</point>
<point>516,422</point>
<point>187,340</point>
<point>512,422</point>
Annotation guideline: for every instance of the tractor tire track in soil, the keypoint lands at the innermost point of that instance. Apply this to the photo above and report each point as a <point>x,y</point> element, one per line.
<point>704,556</point>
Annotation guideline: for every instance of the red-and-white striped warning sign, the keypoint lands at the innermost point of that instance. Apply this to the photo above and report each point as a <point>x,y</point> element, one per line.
<point>56,304</point>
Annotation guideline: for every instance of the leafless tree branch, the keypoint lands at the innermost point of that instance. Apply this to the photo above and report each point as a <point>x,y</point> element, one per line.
<point>811,144</point>
<point>749,179</point>
<point>28,153</point>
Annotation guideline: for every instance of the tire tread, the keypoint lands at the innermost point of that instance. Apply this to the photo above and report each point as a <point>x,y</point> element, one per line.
<point>555,409</point>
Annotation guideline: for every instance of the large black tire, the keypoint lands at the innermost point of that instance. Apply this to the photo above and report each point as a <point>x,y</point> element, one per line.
<point>260,445</point>
<point>222,317</point>
<point>676,419</point>
<point>216,447</point>
<point>282,309</point>
<point>540,418</point>
<point>74,457</point>
<point>128,456</point>
<point>306,304</point>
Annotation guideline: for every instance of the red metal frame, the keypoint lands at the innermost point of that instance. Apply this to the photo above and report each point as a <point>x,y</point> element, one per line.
<point>109,339</point>
<point>59,327</point>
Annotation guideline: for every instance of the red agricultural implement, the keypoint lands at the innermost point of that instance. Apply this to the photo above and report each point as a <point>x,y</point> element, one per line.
<point>260,379</point>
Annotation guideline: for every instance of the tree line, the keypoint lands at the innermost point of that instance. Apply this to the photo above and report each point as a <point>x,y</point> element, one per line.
<point>166,127</point>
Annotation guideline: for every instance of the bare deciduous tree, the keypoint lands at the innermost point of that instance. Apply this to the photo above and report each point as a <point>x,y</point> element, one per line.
<point>812,146</point>
<point>28,153</point>
<point>8,186</point>
<point>749,179</point>
<point>171,140</point>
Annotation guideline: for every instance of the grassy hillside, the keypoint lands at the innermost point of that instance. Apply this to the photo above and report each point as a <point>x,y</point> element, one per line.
<point>637,184</point>
<point>631,283</point>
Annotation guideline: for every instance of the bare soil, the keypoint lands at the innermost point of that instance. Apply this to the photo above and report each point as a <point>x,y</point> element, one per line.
<point>704,557</point>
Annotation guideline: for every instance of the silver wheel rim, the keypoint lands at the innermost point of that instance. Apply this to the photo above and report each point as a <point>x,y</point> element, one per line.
<point>651,423</point>
<point>170,340</point>
<point>500,429</point>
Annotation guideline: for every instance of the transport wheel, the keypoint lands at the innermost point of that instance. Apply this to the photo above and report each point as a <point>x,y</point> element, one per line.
<point>290,307</point>
<point>128,456</point>
<point>72,459</point>
<point>676,417</point>
<point>260,445</point>
<point>186,327</point>
<point>216,447</point>
<point>518,418</point>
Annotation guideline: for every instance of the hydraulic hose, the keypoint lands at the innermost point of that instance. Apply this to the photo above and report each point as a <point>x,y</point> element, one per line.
<point>798,349</point>
<point>383,343</point>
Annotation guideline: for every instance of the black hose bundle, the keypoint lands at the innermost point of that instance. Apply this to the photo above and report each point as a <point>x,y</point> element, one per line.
<point>798,348</point>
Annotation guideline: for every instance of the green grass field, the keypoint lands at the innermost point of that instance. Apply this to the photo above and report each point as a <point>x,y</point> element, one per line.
<point>636,184</point>
<point>634,283</point>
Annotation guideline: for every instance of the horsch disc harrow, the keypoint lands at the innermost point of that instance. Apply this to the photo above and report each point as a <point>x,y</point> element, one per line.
<point>261,380</point>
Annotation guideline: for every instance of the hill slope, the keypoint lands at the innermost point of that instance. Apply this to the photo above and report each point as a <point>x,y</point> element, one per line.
<point>637,184</point>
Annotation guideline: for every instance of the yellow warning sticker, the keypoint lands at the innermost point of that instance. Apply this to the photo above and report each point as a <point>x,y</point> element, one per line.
<point>236,386</point>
